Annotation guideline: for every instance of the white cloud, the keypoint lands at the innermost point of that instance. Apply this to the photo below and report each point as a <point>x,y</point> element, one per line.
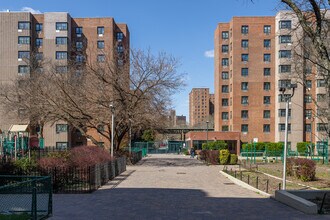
<point>28,9</point>
<point>209,53</point>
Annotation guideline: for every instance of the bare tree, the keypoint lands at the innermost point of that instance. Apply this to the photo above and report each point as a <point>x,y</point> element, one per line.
<point>140,90</point>
<point>313,48</point>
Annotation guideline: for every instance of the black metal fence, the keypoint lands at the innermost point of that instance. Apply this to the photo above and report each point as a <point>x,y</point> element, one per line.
<point>79,180</point>
<point>25,197</point>
<point>255,179</point>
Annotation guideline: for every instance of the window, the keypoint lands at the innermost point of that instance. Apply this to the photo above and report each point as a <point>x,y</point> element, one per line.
<point>23,69</point>
<point>245,100</point>
<point>244,114</point>
<point>101,58</point>
<point>61,55</point>
<point>39,42</point>
<point>225,34</point>
<point>24,25</point>
<point>245,57</point>
<point>308,99</point>
<point>267,43</point>
<point>308,113</point>
<point>61,69</point>
<point>267,29</point>
<point>285,24</point>
<point>100,44</point>
<point>61,41</point>
<point>245,29</point>
<point>119,36</point>
<point>266,86</point>
<point>266,100</point>
<point>39,27</point>
<point>61,26</point>
<point>284,54</point>
<point>225,75</point>
<point>266,113</point>
<point>320,83</point>
<point>308,83</point>
<point>79,31</point>
<point>61,145</point>
<point>225,89</point>
<point>283,98</point>
<point>281,113</point>
<point>224,116</point>
<point>245,128</point>
<point>225,128</point>
<point>224,102</point>
<point>281,127</point>
<point>266,128</point>
<point>245,44</point>
<point>320,97</point>
<point>245,71</point>
<point>79,58</point>
<point>308,127</point>
<point>285,39</point>
<point>24,54</point>
<point>39,56</point>
<point>61,128</point>
<point>120,49</point>
<point>321,127</point>
<point>79,45</point>
<point>24,40</point>
<point>284,68</point>
<point>266,71</point>
<point>225,61</point>
<point>100,30</point>
<point>284,83</point>
<point>244,86</point>
<point>224,48</point>
<point>266,57</point>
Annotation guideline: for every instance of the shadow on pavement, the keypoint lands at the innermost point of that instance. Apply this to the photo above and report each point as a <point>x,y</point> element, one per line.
<point>161,203</point>
<point>170,162</point>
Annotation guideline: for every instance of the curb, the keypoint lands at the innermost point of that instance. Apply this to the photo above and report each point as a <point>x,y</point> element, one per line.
<point>245,185</point>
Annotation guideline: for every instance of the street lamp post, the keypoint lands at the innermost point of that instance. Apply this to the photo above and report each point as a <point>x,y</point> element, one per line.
<point>207,132</point>
<point>112,108</point>
<point>130,137</point>
<point>287,101</point>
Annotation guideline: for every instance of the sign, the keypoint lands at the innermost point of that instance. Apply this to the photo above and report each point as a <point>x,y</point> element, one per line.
<point>255,140</point>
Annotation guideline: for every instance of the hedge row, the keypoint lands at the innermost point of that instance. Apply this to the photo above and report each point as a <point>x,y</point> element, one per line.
<point>261,146</point>
<point>216,157</point>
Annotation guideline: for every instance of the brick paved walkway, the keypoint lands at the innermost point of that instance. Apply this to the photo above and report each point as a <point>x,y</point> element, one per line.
<point>172,187</point>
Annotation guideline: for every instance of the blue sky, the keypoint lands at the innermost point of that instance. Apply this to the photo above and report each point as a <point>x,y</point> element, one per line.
<point>183,28</point>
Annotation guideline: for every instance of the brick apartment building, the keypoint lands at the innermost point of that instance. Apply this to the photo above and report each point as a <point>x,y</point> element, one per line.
<point>58,37</point>
<point>253,59</point>
<point>201,107</point>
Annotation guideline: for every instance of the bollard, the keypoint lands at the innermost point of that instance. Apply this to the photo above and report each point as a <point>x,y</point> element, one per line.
<point>267,184</point>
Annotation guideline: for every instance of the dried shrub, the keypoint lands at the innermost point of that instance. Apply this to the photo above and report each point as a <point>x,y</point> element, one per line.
<point>88,156</point>
<point>305,169</point>
<point>290,162</point>
<point>52,162</point>
<point>210,156</point>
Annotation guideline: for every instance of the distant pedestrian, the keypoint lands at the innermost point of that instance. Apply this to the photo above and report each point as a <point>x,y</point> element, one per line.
<point>192,152</point>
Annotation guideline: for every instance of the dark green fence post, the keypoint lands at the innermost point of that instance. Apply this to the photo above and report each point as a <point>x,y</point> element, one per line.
<point>50,199</point>
<point>34,201</point>
<point>267,184</point>
<point>257,182</point>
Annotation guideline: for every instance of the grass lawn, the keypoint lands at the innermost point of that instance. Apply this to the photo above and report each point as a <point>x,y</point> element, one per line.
<point>15,217</point>
<point>322,175</point>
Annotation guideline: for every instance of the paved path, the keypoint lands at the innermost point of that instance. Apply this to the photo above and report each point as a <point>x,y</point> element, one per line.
<point>172,187</point>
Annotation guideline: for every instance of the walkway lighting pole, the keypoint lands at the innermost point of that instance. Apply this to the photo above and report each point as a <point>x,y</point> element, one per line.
<point>207,132</point>
<point>112,108</point>
<point>287,101</point>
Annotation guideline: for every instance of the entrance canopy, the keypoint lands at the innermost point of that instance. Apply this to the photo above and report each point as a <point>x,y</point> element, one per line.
<point>18,128</point>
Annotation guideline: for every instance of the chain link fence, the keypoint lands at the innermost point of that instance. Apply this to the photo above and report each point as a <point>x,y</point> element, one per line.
<point>27,197</point>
